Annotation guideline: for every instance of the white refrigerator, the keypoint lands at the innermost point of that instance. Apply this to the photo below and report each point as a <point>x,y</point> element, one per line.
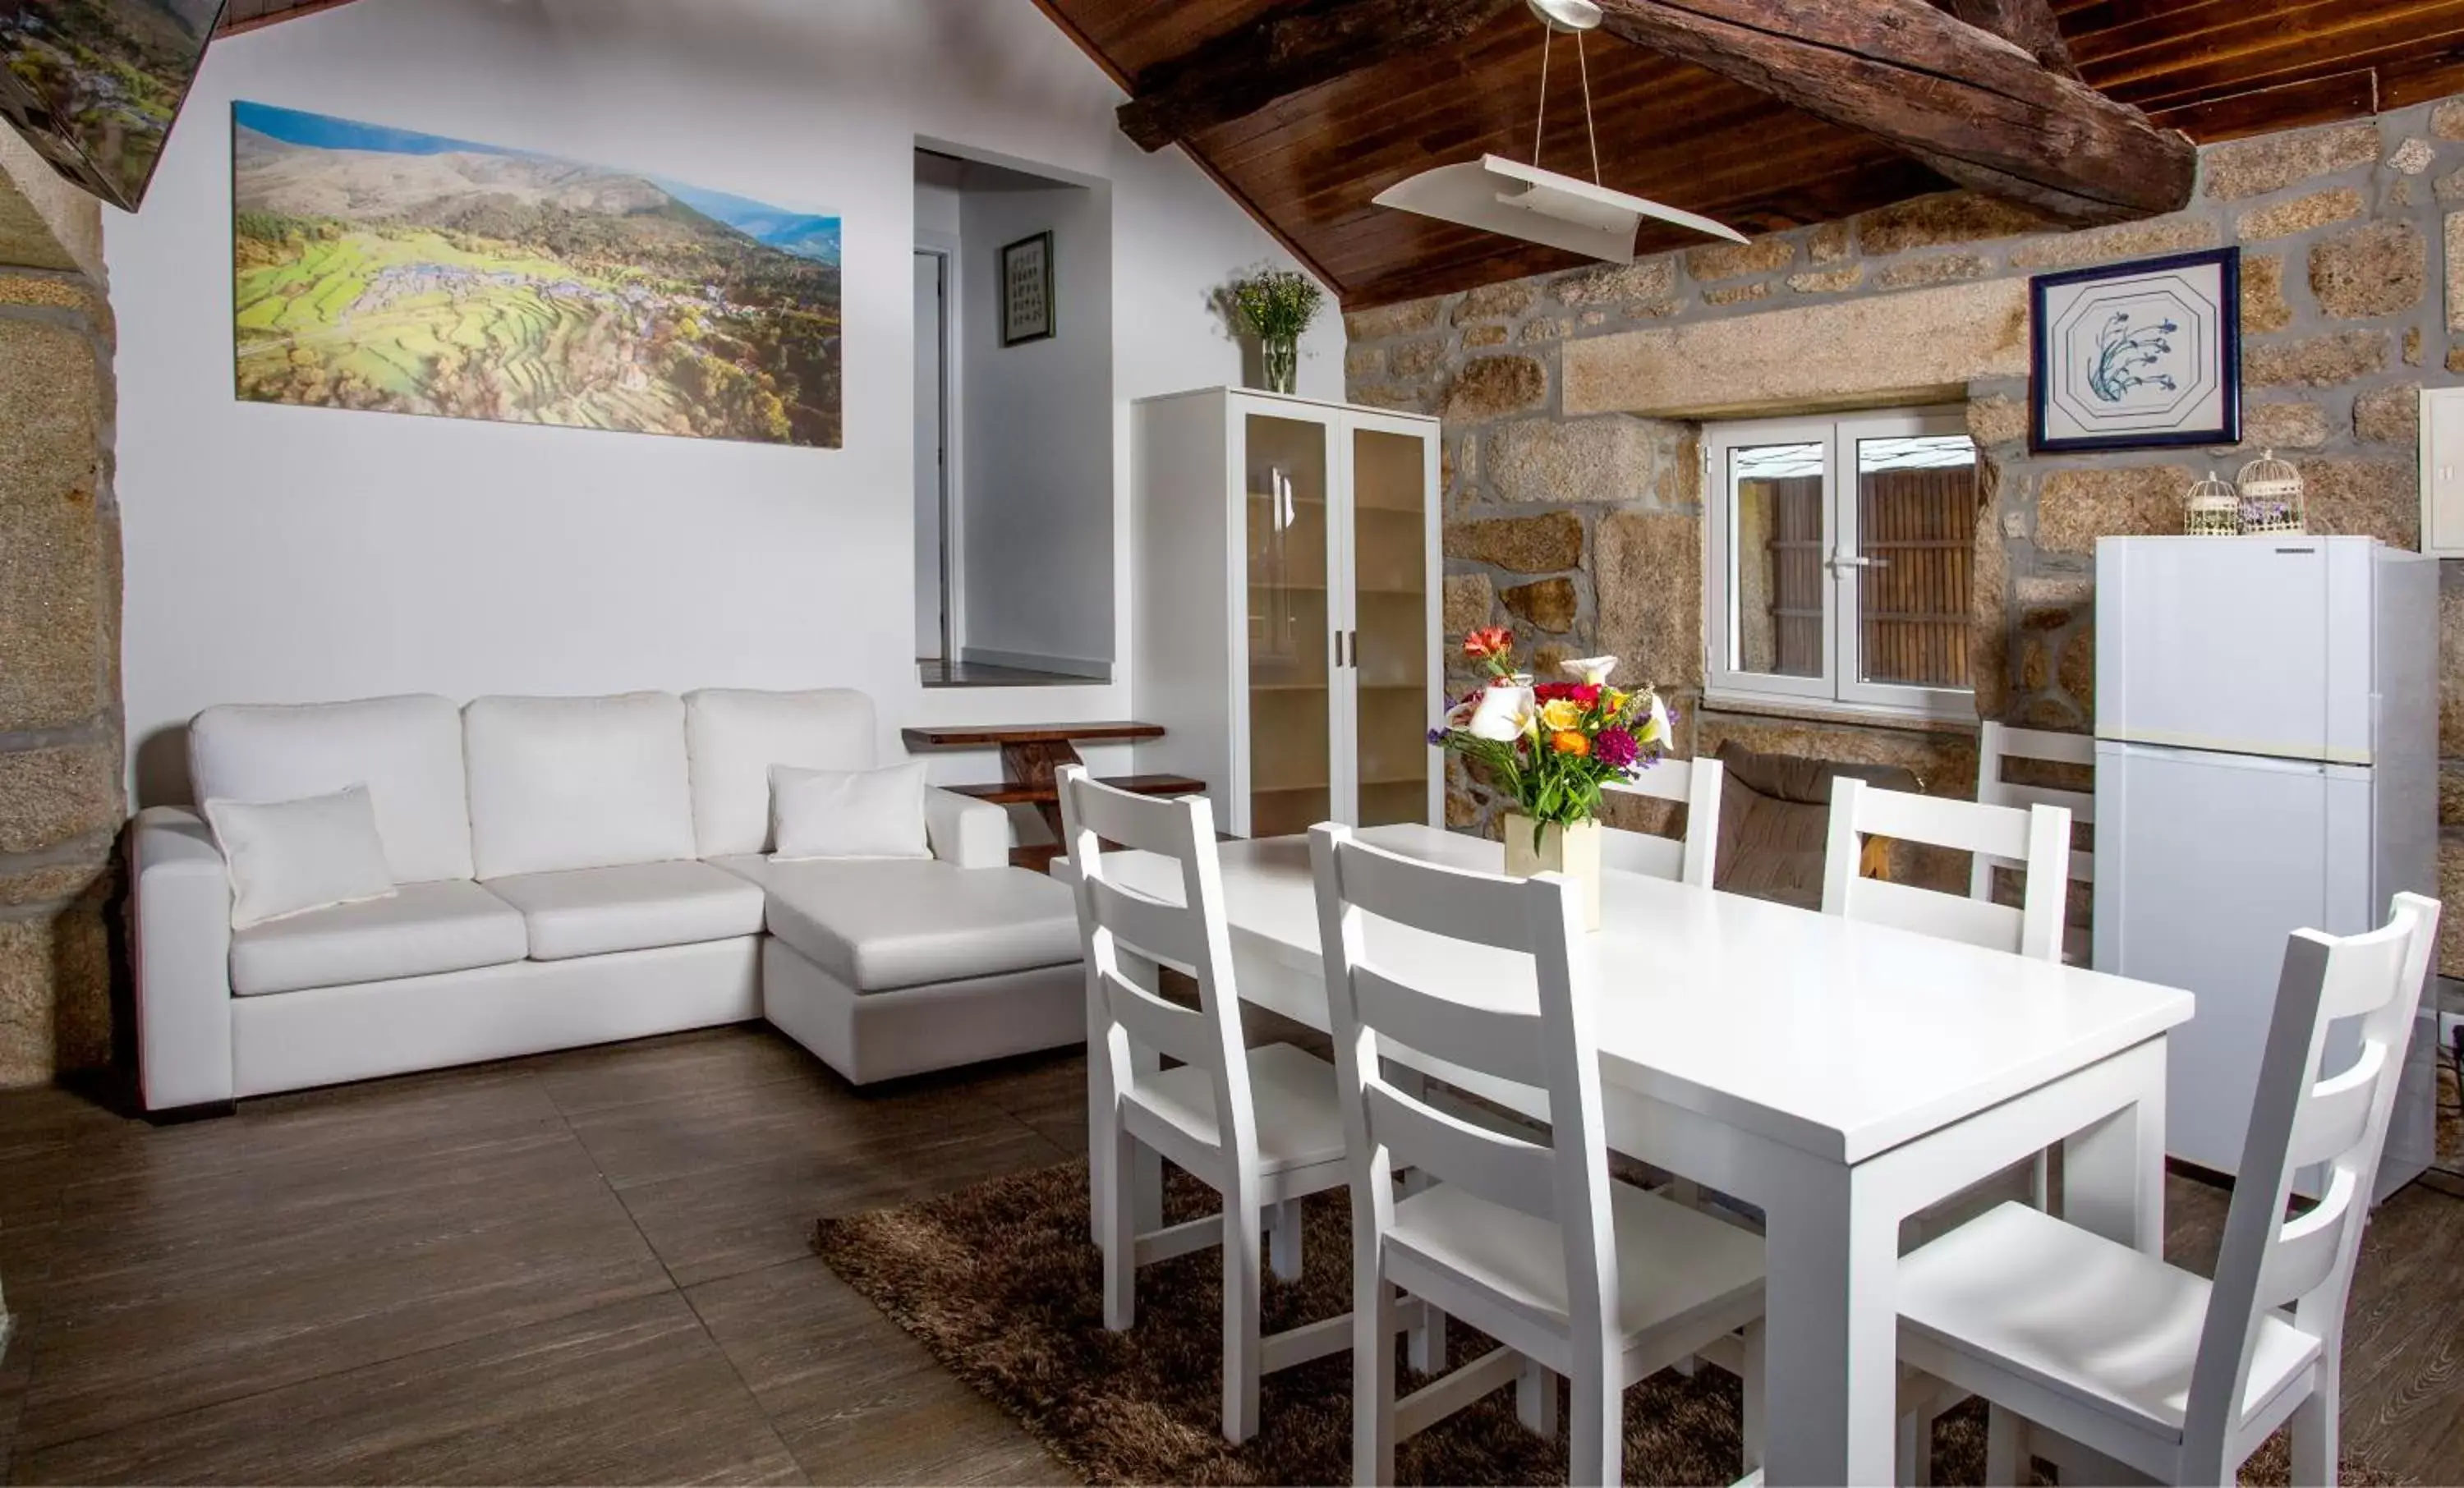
<point>2266,761</point>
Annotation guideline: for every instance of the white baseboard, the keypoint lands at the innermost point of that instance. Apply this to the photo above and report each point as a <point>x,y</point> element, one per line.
<point>1094,671</point>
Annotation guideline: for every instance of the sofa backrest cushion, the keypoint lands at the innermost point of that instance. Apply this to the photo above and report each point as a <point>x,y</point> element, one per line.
<point>577,782</point>
<point>406,750</point>
<point>737,736</point>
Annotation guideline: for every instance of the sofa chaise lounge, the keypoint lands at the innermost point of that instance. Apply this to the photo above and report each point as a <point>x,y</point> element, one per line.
<point>573,871</point>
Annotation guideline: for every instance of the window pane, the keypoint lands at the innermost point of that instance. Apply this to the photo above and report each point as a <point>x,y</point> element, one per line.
<point>1916,527</point>
<point>1391,555</point>
<point>1776,525</point>
<point>1292,758</point>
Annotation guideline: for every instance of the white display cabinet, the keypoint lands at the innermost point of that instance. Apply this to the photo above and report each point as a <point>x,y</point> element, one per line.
<point>1287,606</point>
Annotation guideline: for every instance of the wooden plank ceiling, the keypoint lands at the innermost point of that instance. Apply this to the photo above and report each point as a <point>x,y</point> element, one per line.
<point>240,15</point>
<point>1307,166</point>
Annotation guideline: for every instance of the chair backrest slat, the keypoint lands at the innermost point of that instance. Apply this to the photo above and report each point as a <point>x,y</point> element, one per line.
<point>1998,743</point>
<point>1501,1168</point>
<point>2304,1116</point>
<point>1130,936</point>
<point>2337,1116</point>
<point>2304,1253</point>
<point>1693,859</point>
<point>1492,1040</point>
<point>1168,1028</point>
<point>1943,916</point>
<point>1375,1007</point>
<point>1142,823</point>
<point>2038,837</point>
<point>1411,892</point>
<point>1157,930</point>
<point>1642,853</point>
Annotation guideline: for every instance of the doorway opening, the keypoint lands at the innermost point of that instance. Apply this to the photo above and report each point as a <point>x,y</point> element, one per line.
<point>1013,429</point>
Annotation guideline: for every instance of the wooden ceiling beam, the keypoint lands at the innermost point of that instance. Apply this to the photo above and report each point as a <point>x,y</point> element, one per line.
<point>1243,71</point>
<point>1975,107</point>
<point>2026,24</point>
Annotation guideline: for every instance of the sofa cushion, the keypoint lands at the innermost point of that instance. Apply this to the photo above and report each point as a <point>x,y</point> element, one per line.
<point>423,929</point>
<point>848,812</point>
<point>880,926</point>
<point>406,750</point>
<point>290,857</point>
<point>594,911</point>
<point>577,782</point>
<point>735,736</point>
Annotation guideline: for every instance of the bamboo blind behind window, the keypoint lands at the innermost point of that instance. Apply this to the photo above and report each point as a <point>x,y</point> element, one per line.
<point>1919,526</point>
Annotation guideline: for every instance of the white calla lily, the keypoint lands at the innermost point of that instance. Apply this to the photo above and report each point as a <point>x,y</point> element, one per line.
<point>1502,715</point>
<point>1657,731</point>
<point>1593,671</point>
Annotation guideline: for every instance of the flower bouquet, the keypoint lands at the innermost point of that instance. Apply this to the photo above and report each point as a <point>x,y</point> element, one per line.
<point>1553,747</point>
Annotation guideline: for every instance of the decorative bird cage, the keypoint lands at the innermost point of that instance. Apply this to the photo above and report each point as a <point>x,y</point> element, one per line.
<point>2271,497</point>
<point>2212,510</point>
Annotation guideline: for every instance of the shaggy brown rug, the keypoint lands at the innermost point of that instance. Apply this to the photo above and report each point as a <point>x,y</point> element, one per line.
<point>1002,1284</point>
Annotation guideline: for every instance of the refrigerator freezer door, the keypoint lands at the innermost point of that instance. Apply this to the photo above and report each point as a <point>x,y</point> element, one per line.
<point>2248,646</point>
<point>2205,862</point>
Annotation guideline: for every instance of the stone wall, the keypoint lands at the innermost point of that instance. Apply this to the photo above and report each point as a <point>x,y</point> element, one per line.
<point>1572,404</point>
<point>61,796</point>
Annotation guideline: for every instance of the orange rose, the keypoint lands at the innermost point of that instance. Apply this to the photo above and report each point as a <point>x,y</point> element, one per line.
<point>1569,742</point>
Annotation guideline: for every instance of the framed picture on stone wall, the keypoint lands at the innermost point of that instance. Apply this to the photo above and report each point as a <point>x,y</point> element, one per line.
<point>2138,356</point>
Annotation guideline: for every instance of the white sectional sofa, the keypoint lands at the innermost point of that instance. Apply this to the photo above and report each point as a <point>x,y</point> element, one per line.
<point>574,871</point>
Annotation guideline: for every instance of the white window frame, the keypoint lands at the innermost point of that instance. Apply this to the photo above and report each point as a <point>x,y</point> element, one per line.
<point>1837,690</point>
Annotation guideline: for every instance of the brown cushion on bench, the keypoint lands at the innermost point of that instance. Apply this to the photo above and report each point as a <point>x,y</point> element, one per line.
<point>1775,820</point>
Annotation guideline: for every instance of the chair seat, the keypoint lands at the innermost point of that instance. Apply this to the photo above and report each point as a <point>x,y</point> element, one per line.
<point>633,906</point>
<point>1673,1264</point>
<point>423,929</point>
<point>2017,1293</point>
<point>1300,1121</point>
<point>882,924</point>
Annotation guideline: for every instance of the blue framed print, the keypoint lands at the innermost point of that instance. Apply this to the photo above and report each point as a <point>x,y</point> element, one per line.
<point>2138,356</point>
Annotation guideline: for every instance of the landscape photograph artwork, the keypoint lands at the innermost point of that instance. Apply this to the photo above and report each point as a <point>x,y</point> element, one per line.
<point>379,268</point>
<point>95,84</point>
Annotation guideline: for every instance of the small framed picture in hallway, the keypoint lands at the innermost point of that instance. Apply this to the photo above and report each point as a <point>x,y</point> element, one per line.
<point>1026,289</point>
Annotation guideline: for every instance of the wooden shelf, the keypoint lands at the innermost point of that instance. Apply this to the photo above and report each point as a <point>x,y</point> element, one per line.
<point>1012,794</point>
<point>987,735</point>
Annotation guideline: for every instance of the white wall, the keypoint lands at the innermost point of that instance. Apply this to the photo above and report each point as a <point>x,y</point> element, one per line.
<point>279,553</point>
<point>1036,534</point>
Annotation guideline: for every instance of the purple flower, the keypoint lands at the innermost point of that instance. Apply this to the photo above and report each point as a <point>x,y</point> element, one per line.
<point>1616,749</point>
<point>1437,736</point>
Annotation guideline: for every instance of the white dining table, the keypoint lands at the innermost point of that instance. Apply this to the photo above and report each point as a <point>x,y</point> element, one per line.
<point>1839,1075</point>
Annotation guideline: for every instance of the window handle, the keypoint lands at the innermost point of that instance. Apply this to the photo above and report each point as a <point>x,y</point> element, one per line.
<point>1839,561</point>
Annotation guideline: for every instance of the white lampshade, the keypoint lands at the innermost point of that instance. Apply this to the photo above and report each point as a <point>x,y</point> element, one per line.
<point>1499,195</point>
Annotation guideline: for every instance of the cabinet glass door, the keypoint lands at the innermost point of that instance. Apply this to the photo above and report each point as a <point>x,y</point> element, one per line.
<point>1389,645</point>
<point>1291,702</point>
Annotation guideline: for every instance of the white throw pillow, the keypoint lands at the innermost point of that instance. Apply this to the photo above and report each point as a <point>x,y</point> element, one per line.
<point>847,813</point>
<point>293,856</point>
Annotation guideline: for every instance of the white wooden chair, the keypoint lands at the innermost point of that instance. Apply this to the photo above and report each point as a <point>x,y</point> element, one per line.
<point>2154,1370</point>
<point>2038,837</point>
<point>1261,1126</point>
<point>1522,1237</point>
<point>1692,859</point>
<point>1996,744</point>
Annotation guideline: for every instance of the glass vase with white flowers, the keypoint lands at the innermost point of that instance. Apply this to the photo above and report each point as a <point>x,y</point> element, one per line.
<point>1553,747</point>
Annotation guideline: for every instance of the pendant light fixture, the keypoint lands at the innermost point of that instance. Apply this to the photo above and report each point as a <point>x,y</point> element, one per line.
<point>1506,196</point>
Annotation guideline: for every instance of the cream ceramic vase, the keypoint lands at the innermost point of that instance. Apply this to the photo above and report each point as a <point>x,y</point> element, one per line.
<point>1571,850</point>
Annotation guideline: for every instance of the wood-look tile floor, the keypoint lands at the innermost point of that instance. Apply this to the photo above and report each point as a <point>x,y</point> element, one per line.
<point>591,1267</point>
